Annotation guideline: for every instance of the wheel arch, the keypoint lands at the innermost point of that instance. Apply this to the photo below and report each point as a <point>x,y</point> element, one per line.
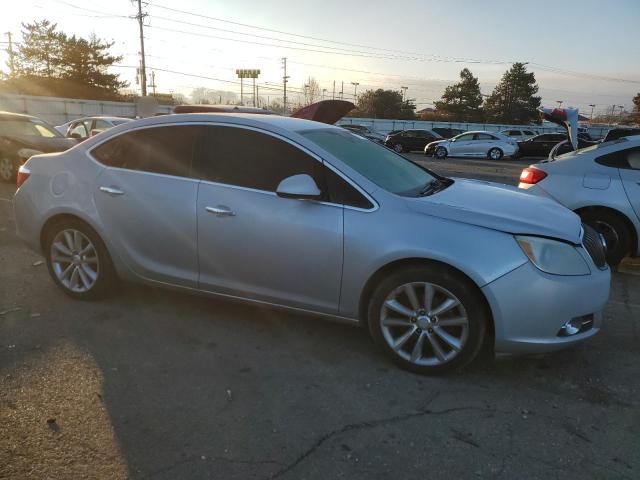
<point>399,264</point>
<point>57,217</point>
<point>627,221</point>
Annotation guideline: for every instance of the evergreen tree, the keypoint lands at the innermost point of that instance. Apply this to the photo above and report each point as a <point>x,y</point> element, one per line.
<point>40,52</point>
<point>462,101</point>
<point>513,100</point>
<point>384,104</point>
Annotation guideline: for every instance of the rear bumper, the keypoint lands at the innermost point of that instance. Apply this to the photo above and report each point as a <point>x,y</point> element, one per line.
<point>530,307</point>
<point>25,213</point>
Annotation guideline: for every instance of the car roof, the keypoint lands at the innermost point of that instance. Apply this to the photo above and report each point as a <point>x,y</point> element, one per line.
<point>16,116</point>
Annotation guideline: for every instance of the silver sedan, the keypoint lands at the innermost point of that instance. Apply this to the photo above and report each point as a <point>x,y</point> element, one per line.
<point>291,213</point>
<point>481,144</point>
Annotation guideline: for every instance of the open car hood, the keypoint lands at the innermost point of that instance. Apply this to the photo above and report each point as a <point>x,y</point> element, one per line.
<point>565,117</point>
<point>325,111</point>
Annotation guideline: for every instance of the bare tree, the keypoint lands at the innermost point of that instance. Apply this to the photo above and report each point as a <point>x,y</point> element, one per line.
<point>312,91</point>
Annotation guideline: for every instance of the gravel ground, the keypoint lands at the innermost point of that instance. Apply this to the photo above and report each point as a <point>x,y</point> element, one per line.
<point>154,384</point>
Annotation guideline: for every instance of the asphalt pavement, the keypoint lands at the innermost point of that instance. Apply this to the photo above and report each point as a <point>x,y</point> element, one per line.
<point>153,384</point>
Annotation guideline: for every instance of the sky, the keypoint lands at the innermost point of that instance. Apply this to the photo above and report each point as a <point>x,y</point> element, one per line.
<point>582,52</point>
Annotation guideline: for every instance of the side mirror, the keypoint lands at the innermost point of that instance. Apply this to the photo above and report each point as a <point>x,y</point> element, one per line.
<point>299,186</point>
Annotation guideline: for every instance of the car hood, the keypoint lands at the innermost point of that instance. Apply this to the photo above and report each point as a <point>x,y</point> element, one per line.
<point>437,142</point>
<point>501,207</point>
<point>43,144</point>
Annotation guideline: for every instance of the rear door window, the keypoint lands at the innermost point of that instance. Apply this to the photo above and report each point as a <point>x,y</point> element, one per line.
<point>167,150</point>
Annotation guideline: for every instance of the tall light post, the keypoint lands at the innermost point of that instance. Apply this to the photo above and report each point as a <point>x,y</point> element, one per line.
<point>324,91</point>
<point>592,105</point>
<point>404,92</point>
<point>621,107</point>
<point>247,73</point>
<point>559,102</point>
<point>355,91</point>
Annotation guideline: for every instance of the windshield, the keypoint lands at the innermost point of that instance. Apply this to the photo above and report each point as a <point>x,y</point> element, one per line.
<point>380,165</point>
<point>27,128</point>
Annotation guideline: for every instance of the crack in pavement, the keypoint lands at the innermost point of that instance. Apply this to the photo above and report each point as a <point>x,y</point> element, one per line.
<point>365,425</point>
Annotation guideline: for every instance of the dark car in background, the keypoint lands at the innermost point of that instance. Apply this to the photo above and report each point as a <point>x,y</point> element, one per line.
<point>541,145</point>
<point>410,140</point>
<point>365,132</point>
<point>22,136</point>
<point>446,132</point>
<point>616,133</point>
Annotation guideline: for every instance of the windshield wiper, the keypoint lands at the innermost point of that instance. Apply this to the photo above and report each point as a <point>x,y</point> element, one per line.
<point>434,186</point>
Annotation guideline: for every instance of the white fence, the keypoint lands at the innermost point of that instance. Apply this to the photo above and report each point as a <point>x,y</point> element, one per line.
<point>61,110</point>
<point>385,126</point>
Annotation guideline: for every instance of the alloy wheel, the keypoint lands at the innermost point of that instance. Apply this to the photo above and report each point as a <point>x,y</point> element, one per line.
<point>74,260</point>
<point>495,154</point>
<point>424,323</point>
<point>398,148</point>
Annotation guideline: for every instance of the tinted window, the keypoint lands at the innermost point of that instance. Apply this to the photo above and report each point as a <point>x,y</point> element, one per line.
<point>528,132</point>
<point>628,159</point>
<point>27,127</point>
<point>484,136</point>
<point>341,192</point>
<point>465,138</point>
<point>411,133</point>
<point>166,150</point>
<point>246,158</point>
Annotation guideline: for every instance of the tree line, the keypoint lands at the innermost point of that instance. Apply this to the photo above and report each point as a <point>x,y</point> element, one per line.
<point>49,62</point>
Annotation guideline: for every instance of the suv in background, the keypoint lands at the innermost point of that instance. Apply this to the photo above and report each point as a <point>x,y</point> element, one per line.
<point>519,135</point>
<point>410,140</point>
<point>446,132</point>
<point>616,133</point>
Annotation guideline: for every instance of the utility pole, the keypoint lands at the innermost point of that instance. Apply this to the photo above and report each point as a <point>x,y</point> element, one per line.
<point>404,92</point>
<point>342,91</point>
<point>257,96</point>
<point>324,90</point>
<point>143,71</point>
<point>592,105</point>
<point>11,54</point>
<point>355,91</point>
<point>333,95</point>
<point>285,77</point>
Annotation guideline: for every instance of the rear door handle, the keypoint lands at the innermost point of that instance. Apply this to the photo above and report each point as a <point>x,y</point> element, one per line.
<point>221,211</point>
<point>111,191</point>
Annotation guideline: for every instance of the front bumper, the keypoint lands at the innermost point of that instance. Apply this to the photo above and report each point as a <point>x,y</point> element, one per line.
<point>530,307</point>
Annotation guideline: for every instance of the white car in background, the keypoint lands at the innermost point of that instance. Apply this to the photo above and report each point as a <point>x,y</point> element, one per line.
<point>519,135</point>
<point>83,128</point>
<point>601,183</point>
<point>475,144</point>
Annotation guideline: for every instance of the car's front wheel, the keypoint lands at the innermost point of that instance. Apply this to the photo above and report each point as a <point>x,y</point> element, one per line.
<point>441,153</point>
<point>398,148</point>
<point>495,154</point>
<point>8,169</point>
<point>428,319</point>
<point>78,260</point>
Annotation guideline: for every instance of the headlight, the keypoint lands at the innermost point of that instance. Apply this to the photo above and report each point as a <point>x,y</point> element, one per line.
<point>553,256</point>
<point>27,153</point>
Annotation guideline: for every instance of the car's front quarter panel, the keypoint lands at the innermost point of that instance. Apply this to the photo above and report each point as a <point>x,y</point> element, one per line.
<point>373,240</point>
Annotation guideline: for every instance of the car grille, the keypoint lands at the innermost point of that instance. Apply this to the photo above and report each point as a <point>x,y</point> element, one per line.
<point>592,242</point>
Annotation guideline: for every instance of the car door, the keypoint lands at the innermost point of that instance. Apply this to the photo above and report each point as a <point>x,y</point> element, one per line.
<point>481,144</point>
<point>145,197</point>
<point>410,140</point>
<point>631,177</point>
<point>255,244</point>
<point>461,144</point>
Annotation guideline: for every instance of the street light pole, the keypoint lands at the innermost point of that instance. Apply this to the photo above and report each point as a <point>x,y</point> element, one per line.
<point>592,105</point>
<point>355,91</point>
<point>404,92</point>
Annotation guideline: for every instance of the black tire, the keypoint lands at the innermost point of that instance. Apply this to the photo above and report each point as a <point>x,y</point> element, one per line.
<point>398,148</point>
<point>440,153</point>
<point>615,231</point>
<point>8,169</point>
<point>495,154</point>
<point>449,280</point>
<point>106,278</point>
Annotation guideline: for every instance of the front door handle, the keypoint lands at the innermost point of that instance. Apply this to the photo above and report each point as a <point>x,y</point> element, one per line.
<point>111,191</point>
<point>221,211</point>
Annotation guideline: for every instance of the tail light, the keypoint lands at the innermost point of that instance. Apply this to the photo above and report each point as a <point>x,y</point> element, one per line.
<point>532,175</point>
<point>23,175</point>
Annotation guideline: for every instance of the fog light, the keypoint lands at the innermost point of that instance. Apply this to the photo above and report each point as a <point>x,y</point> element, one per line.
<point>576,325</point>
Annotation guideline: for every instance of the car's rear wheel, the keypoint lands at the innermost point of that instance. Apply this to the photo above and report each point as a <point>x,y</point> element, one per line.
<point>614,230</point>
<point>428,320</point>
<point>441,153</point>
<point>398,148</point>
<point>8,169</point>
<point>77,260</point>
<point>495,154</point>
